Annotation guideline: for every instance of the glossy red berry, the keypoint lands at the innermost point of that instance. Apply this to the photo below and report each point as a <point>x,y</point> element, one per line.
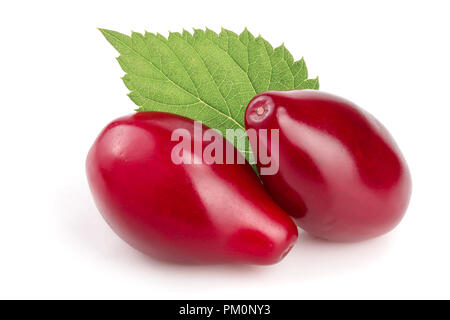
<point>195,213</point>
<point>341,175</point>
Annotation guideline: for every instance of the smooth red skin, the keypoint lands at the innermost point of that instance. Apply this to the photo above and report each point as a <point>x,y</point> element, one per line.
<point>341,175</point>
<point>186,213</point>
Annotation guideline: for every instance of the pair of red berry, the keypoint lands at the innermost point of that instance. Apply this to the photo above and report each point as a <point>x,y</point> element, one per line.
<point>341,177</point>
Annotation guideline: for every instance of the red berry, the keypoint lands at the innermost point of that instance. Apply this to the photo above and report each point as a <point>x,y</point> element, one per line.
<point>341,175</point>
<point>199,213</point>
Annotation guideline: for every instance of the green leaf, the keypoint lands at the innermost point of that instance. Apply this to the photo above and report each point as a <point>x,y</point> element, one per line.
<point>205,76</point>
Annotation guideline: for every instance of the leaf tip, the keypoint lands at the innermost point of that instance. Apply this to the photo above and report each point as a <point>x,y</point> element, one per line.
<point>103,31</point>
<point>317,86</point>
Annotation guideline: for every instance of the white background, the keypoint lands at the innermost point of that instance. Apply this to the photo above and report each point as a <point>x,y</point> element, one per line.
<point>60,85</point>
